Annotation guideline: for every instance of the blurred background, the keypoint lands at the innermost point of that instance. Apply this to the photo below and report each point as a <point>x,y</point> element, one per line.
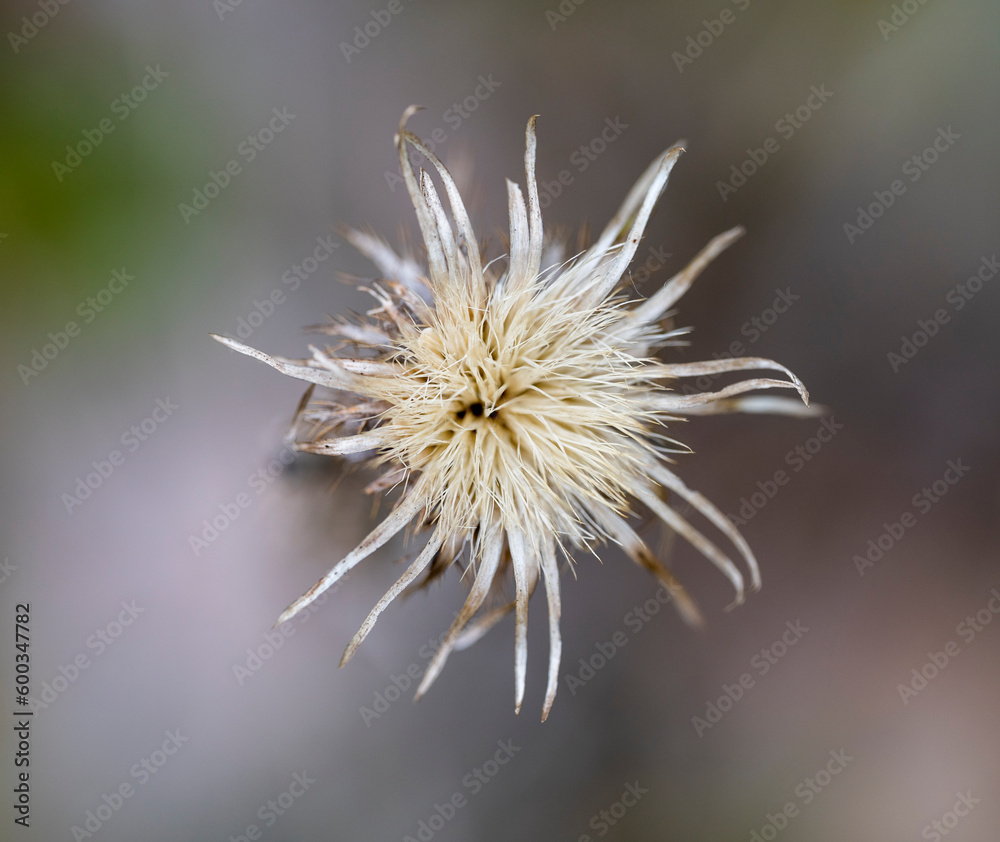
<point>854,696</point>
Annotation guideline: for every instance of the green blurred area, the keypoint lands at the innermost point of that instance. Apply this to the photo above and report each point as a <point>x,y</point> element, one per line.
<point>71,220</point>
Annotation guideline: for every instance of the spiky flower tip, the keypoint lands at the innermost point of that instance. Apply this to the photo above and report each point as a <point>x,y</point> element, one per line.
<point>518,405</point>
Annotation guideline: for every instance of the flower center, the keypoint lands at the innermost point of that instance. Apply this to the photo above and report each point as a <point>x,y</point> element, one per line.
<point>477,409</point>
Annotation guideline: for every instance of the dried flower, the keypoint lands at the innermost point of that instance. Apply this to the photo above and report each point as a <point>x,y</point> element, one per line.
<point>518,405</point>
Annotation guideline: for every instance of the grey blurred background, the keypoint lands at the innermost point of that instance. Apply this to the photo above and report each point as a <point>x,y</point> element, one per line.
<point>168,680</point>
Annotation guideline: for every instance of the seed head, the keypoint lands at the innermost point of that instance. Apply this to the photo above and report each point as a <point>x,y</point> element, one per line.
<point>518,405</point>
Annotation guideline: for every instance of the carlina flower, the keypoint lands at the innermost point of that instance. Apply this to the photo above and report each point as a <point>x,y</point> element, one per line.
<point>518,406</point>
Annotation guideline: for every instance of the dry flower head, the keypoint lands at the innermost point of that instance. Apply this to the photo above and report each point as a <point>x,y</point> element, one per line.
<point>518,405</point>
